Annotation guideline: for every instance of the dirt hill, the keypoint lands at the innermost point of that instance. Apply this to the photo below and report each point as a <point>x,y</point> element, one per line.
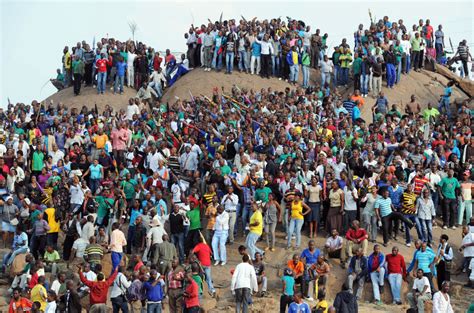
<point>427,86</point>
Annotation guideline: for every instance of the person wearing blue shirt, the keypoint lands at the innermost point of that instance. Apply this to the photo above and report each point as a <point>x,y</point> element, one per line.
<point>19,246</point>
<point>424,259</point>
<point>120,77</point>
<point>154,292</point>
<point>299,306</point>
<point>288,289</point>
<point>309,257</point>
<point>445,99</point>
<point>376,269</point>
<point>96,174</point>
<point>256,55</point>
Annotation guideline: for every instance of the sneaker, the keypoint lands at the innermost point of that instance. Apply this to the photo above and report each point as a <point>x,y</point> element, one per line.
<point>445,227</point>
<point>453,227</point>
<point>217,263</point>
<point>408,244</point>
<point>272,249</point>
<point>223,263</point>
<point>378,302</point>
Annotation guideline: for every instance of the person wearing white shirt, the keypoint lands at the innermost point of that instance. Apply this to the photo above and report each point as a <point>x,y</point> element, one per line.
<point>230,202</point>
<point>130,69</point>
<point>266,55</point>
<point>88,228</point>
<point>153,237</point>
<point>467,247</point>
<point>56,154</point>
<point>442,301</point>
<point>445,258</point>
<point>51,305</point>
<point>420,293</point>
<point>132,109</point>
<point>118,290</point>
<point>221,232</point>
<point>153,158</point>
<point>244,281</point>
<point>76,194</point>
<point>188,160</point>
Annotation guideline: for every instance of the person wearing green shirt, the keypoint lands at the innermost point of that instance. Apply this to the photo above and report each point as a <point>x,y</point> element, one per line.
<point>78,69</point>
<point>337,66</point>
<point>103,206</point>
<point>398,51</point>
<point>38,162</point>
<point>415,51</point>
<point>448,188</point>
<point>128,187</point>
<point>194,234</point>
<point>305,63</point>
<point>346,60</point>
<point>430,113</point>
<point>51,256</point>
<point>262,192</point>
<point>356,70</point>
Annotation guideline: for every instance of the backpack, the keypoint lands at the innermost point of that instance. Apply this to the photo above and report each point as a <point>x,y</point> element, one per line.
<point>131,293</point>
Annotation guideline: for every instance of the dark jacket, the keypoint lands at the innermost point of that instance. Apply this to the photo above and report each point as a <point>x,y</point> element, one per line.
<point>345,302</point>
<point>73,305</point>
<point>363,266</point>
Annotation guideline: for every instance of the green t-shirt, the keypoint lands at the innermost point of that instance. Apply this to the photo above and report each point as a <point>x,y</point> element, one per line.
<point>129,188</point>
<point>415,44</point>
<point>225,170</point>
<point>194,218</point>
<point>103,205</point>
<point>356,65</point>
<point>51,257</point>
<point>261,194</point>
<point>38,158</point>
<point>448,187</point>
<point>198,281</point>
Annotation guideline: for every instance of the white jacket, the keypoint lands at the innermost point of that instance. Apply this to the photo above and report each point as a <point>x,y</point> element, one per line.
<point>244,277</point>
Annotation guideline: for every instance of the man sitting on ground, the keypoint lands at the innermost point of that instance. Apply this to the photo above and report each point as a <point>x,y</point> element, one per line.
<point>356,238</point>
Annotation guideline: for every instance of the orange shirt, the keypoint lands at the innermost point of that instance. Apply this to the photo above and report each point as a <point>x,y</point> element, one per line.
<point>297,268</point>
<point>359,99</point>
<point>100,141</point>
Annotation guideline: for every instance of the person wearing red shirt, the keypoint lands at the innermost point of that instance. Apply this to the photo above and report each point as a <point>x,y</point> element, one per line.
<point>203,252</point>
<point>357,237</point>
<point>19,303</point>
<point>99,289</point>
<point>420,182</point>
<point>191,295</point>
<point>101,65</point>
<point>157,61</point>
<point>396,272</point>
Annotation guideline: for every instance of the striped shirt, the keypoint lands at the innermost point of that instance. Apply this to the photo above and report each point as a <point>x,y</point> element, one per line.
<point>409,201</point>
<point>94,253</point>
<point>420,184</point>
<point>384,205</point>
<point>424,260</point>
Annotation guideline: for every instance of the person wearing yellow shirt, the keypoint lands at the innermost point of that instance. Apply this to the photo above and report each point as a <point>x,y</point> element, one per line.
<point>256,230</point>
<point>52,236</point>
<point>297,219</point>
<point>346,60</point>
<point>100,140</point>
<point>38,293</point>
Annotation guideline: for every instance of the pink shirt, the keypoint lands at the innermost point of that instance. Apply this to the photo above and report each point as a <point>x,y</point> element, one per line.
<point>117,241</point>
<point>119,139</point>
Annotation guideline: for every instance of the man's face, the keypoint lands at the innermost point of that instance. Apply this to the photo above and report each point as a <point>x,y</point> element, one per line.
<point>394,251</point>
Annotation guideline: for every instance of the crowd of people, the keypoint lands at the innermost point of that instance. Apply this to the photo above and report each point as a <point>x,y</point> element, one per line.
<point>140,205</point>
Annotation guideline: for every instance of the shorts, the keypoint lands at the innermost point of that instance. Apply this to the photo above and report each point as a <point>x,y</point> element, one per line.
<point>7,227</point>
<point>314,216</point>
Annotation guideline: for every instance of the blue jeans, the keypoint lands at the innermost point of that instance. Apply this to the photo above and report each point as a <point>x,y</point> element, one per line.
<point>377,279</point>
<point>337,74</point>
<point>101,78</point>
<point>116,257</point>
<point>465,205</point>
<point>275,65</point>
<point>435,198</point>
<point>305,70</point>
<point>157,88</point>
<point>295,225</point>
<point>444,105</point>
<point>344,75</point>
<point>217,60</point>
<point>119,83</point>
<point>408,64</point>
<point>390,74</point>
<point>294,72</point>
<point>251,243</point>
<point>94,184</point>
<point>399,72</point>
<point>325,79</point>
<point>414,219</point>
<point>8,258</point>
<point>395,281</point>
<point>439,51</point>
<point>245,216</point>
<point>243,60</point>
<point>119,303</point>
<point>153,308</point>
<point>207,272</point>
<point>178,241</point>
<point>218,245</point>
<point>364,84</point>
<point>229,61</point>
<point>427,227</point>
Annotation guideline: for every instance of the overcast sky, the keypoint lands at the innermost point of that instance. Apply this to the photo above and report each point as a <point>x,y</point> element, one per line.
<point>33,33</point>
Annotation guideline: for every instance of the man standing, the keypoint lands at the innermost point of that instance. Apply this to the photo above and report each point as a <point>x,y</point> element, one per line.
<point>439,43</point>
<point>244,281</point>
<point>117,242</point>
<point>78,71</point>
<point>420,293</point>
<point>315,49</point>
<point>176,220</point>
<point>441,300</point>
<point>424,259</point>
<point>203,253</point>
<point>175,278</point>
<point>376,269</point>
<point>99,290</point>
<point>256,229</point>
<point>221,232</point>
<point>230,202</point>
<point>449,187</point>
<point>396,272</point>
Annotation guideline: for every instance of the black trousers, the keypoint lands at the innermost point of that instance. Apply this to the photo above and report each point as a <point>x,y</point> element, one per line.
<point>266,65</point>
<point>387,224</point>
<point>356,82</point>
<point>449,211</point>
<point>314,57</point>
<point>88,74</point>
<point>415,56</point>
<point>285,302</point>
<point>443,274</point>
<point>77,83</point>
<point>67,246</point>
